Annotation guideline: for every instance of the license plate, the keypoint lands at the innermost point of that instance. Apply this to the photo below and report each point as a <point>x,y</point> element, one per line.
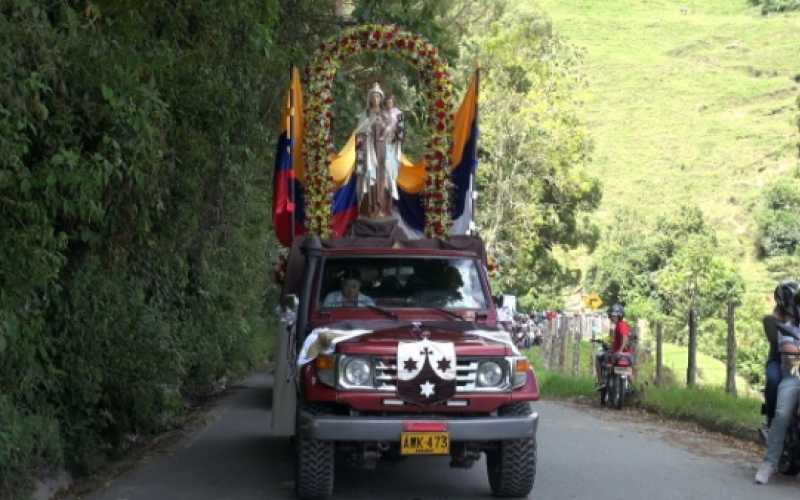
<point>424,443</point>
<point>623,371</point>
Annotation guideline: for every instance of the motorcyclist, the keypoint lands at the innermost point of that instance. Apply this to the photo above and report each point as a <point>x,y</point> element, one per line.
<point>788,391</point>
<point>620,334</point>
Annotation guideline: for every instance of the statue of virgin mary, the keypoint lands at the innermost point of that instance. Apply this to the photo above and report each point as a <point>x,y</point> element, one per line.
<point>375,186</point>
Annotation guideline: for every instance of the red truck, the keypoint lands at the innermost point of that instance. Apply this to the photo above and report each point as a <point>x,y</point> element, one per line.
<point>393,351</point>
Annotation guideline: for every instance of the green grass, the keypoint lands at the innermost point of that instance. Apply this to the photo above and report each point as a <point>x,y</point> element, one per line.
<point>688,101</point>
<point>557,385</point>
<point>710,407</point>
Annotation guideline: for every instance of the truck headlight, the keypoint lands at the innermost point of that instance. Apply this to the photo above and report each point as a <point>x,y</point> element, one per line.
<point>355,373</point>
<point>490,374</point>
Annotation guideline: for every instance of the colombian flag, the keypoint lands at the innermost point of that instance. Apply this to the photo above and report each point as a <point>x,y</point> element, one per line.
<point>288,208</point>
<point>464,158</point>
<point>344,208</point>
<point>463,163</point>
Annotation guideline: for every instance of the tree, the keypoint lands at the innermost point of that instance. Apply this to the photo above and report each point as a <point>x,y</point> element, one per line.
<point>535,194</point>
<point>697,280</point>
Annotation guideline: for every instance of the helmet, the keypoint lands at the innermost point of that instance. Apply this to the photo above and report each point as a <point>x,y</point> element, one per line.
<point>786,297</point>
<point>616,310</point>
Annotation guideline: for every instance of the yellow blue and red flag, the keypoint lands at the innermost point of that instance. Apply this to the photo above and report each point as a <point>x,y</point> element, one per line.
<point>344,206</point>
<point>288,208</point>
<point>464,158</point>
<point>463,163</point>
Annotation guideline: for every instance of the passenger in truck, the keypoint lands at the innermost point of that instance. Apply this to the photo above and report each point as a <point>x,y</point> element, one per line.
<point>377,284</point>
<point>349,296</point>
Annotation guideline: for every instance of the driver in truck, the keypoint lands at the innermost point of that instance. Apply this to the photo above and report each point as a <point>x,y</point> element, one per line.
<point>349,296</point>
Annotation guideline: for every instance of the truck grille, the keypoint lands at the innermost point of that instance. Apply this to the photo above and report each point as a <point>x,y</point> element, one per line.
<point>386,374</point>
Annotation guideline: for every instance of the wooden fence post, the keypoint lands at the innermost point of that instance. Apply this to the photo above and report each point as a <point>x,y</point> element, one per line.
<point>555,349</point>
<point>659,353</point>
<point>730,364</point>
<point>635,368</point>
<point>576,353</point>
<point>547,345</point>
<point>691,369</point>
<point>564,337</point>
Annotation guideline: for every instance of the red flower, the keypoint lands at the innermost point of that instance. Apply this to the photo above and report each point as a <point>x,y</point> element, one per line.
<point>439,103</point>
<point>376,35</point>
<point>400,44</point>
<point>440,127</point>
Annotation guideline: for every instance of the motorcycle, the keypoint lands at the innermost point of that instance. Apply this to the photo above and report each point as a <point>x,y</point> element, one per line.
<point>789,463</point>
<point>616,374</point>
<point>520,332</point>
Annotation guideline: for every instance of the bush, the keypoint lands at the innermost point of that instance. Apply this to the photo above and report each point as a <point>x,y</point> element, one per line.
<point>768,6</point>
<point>28,443</point>
<point>779,219</point>
<point>134,245</point>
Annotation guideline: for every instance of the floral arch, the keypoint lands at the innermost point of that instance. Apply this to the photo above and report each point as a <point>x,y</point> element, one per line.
<point>318,143</point>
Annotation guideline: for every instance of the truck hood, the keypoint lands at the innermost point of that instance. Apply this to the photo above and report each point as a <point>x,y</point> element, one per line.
<point>385,336</point>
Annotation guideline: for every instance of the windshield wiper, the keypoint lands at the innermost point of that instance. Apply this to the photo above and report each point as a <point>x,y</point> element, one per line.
<point>385,312</point>
<point>449,313</point>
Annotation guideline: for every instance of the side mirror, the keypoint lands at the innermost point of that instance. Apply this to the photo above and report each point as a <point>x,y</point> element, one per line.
<point>287,311</point>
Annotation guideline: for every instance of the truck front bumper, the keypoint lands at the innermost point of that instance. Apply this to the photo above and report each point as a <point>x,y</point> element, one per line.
<point>467,429</point>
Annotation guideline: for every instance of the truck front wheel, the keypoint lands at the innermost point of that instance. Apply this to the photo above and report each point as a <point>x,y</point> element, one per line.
<point>512,466</point>
<point>314,467</point>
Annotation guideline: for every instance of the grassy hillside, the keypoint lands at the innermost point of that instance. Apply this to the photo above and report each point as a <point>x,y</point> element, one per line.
<point>689,101</point>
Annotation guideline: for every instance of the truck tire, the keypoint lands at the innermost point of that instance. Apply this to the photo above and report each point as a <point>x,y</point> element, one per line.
<point>512,467</point>
<point>314,467</point>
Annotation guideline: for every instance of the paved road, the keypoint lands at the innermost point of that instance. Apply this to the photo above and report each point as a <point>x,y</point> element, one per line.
<point>234,458</point>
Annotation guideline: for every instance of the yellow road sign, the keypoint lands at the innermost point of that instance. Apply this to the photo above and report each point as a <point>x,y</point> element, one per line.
<point>592,301</point>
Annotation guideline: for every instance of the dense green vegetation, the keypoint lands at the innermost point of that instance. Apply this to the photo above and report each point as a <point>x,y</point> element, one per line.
<point>133,193</point>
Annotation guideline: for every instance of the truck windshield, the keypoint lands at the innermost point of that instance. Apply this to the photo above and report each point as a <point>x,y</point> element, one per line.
<point>402,282</point>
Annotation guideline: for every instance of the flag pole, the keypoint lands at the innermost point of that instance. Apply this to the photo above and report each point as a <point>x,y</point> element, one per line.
<point>477,126</point>
<point>289,132</point>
